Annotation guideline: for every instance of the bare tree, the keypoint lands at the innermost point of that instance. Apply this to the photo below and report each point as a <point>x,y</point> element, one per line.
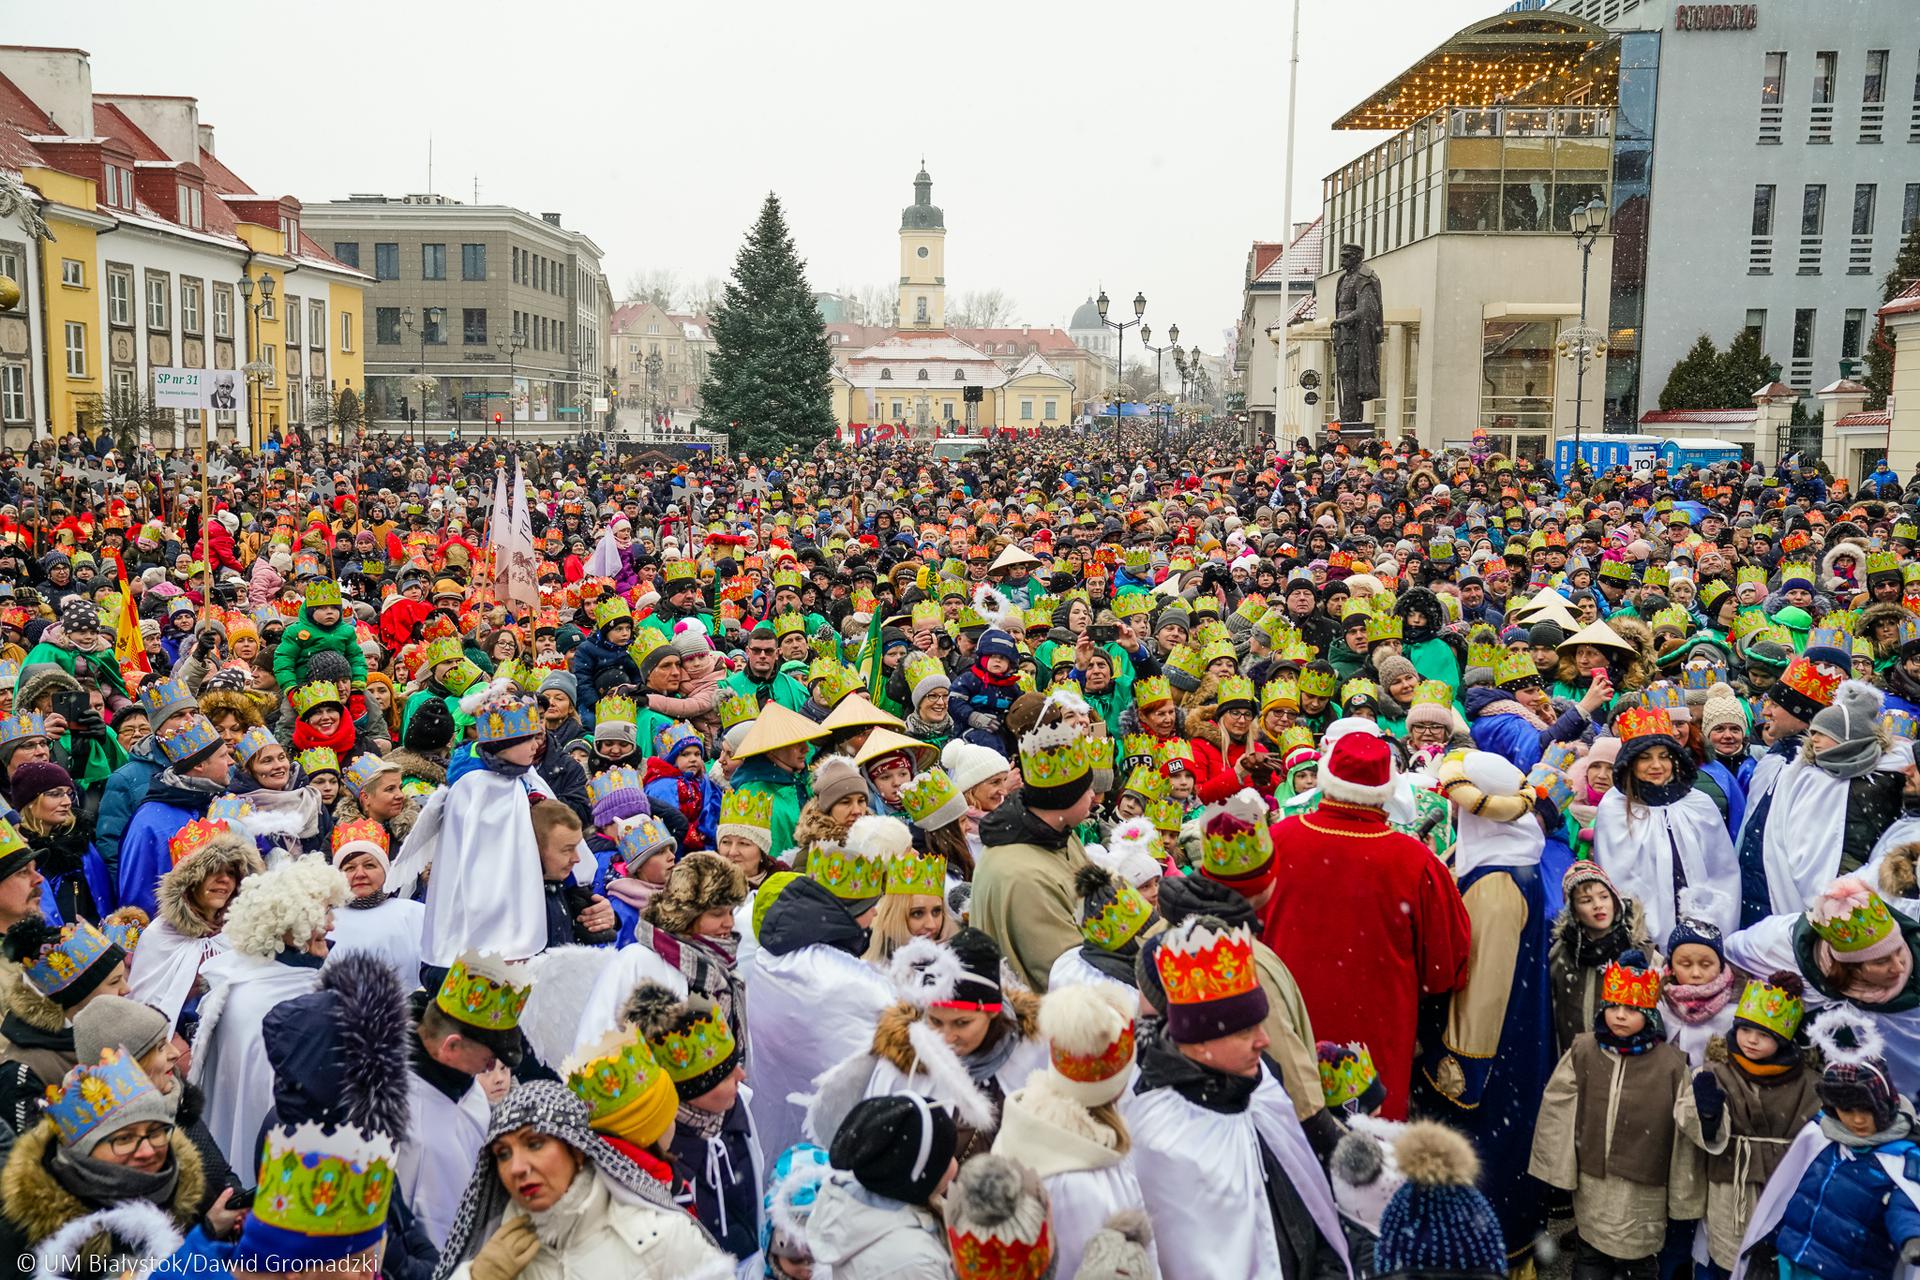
<point>656,285</point>
<point>702,296</point>
<point>980,309</point>
<point>875,304</point>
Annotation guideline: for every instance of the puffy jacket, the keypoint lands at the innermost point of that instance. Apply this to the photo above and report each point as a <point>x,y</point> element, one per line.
<point>126,788</point>
<point>306,637</point>
<point>1848,1218</point>
<point>589,1233</point>
<point>863,1236</point>
<point>591,657</point>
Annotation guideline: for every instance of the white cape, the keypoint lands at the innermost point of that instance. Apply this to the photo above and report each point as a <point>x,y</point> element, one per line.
<point>165,964</point>
<point>1766,775</point>
<point>435,1163</point>
<point>630,966</point>
<point>230,1058</point>
<point>484,892</point>
<point>806,1011</point>
<point>1772,1204</point>
<point>1637,853</point>
<point>1072,970</point>
<point>1804,829</point>
<point>390,933</point>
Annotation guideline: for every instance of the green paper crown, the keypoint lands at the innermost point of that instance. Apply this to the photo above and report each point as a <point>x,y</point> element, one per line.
<point>1166,816</point>
<point>1347,1079</point>
<point>1485,654</point>
<point>1055,756</point>
<point>917,874</point>
<point>1774,1008</point>
<point>1151,690</point>
<point>1185,659</point>
<point>839,681</point>
<point>444,649</point>
<point>1865,924</point>
<point>319,1184</point>
<point>747,809</point>
<point>1235,856</point>
<point>322,593</point>
<point>926,794</point>
<point>1234,689</point>
<point>483,990</point>
<point>695,1049</point>
<point>319,693</point>
<point>737,707</point>
<point>1514,667</point>
<point>1434,693</point>
<point>1359,687</point>
<point>611,610</point>
<point>1147,782</point>
<point>1119,918</point>
<point>845,874</point>
<point>1387,627</point>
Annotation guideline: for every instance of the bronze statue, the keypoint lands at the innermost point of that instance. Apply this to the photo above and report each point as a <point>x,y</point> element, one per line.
<point>1357,331</point>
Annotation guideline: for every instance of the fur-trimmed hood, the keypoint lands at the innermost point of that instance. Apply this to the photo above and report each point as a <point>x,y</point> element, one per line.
<point>890,1034</point>
<point>31,1198</point>
<point>47,678</point>
<point>414,765</point>
<point>1875,614</point>
<point>1830,579</point>
<point>238,704</point>
<point>1563,933</point>
<point>26,1004</point>
<point>815,827</point>
<point>233,852</point>
<point>347,809</point>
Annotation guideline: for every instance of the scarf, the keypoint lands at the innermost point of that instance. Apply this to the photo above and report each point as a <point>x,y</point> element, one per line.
<point>1117,964</point>
<point>367,903</point>
<point>705,1125</point>
<point>1163,1066</point>
<point>103,1185</point>
<point>998,683</point>
<point>926,730</point>
<point>985,1062</point>
<point>1773,1071</point>
<point>1853,758</point>
<point>1696,1003</point>
<point>1664,794</point>
<point>1590,952</point>
<point>1512,707</point>
<point>1860,993</point>
<point>59,853</point>
<point>340,741</point>
<point>1899,1127</point>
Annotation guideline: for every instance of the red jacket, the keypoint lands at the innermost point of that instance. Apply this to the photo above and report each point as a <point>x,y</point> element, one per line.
<point>216,548</point>
<point>1213,768</point>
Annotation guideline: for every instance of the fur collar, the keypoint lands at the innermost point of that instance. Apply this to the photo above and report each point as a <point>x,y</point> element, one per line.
<point>1201,726</point>
<point>347,809</point>
<point>28,1005</point>
<point>191,872</point>
<point>891,1040</point>
<point>415,765</point>
<point>41,1206</point>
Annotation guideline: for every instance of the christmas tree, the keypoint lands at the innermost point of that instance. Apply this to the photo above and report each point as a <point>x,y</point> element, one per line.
<point>767,384</point>
<point>1879,352</point>
<point>1694,382</point>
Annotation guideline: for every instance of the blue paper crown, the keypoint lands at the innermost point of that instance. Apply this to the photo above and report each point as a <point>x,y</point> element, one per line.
<point>1662,697</point>
<point>364,770</point>
<point>671,734</point>
<point>1701,679</point>
<point>197,735</point>
<point>9,672</point>
<point>91,1095</point>
<point>229,809</point>
<point>18,728</point>
<point>164,693</point>
<point>1551,785</point>
<point>1901,724</point>
<point>505,723</point>
<point>80,946</point>
<point>252,743</point>
<point>646,835</point>
<point>620,778</point>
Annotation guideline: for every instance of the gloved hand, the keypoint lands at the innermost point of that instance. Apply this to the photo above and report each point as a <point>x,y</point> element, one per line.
<point>208,641</point>
<point>507,1252</point>
<point>1710,1100</point>
<point>87,724</point>
<point>984,721</point>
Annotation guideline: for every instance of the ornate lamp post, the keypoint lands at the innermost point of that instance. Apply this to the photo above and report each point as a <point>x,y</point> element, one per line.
<point>511,347</point>
<point>1583,343</point>
<point>1120,351</point>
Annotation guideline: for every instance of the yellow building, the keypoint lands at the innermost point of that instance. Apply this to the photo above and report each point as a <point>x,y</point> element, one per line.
<point>918,380</point>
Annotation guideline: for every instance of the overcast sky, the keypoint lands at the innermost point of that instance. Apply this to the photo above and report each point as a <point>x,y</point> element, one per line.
<point>1135,145</point>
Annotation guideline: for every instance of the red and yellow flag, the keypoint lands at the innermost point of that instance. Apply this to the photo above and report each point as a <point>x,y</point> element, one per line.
<point>128,647</point>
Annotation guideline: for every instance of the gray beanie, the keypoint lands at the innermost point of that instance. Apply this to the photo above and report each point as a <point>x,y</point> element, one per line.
<point>1393,667</point>
<point>115,1022</point>
<point>564,682</point>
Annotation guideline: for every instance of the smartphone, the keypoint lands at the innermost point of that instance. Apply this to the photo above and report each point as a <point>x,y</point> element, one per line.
<point>1106,635</point>
<point>72,705</point>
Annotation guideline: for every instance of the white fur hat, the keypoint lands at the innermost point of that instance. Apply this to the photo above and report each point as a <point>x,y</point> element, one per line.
<point>972,765</point>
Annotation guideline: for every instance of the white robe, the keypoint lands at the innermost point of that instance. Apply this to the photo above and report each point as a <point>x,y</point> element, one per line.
<point>630,966</point>
<point>1637,853</point>
<point>389,933</point>
<point>1027,1057</point>
<point>165,964</point>
<point>435,1163</point>
<point>1192,1161</point>
<point>1071,970</point>
<point>806,1011</point>
<point>1692,1039</point>
<point>1903,830</point>
<point>230,1058</point>
<point>1766,775</point>
<point>1086,1183</point>
<point>485,891</point>
<point>1804,829</point>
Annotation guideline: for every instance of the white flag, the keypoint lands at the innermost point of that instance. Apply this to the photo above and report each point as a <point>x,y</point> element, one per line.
<point>497,520</point>
<point>522,587</point>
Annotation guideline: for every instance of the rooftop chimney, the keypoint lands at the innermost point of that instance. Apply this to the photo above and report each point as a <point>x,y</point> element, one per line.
<point>173,123</point>
<point>206,139</point>
<point>59,81</point>
<point>552,219</point>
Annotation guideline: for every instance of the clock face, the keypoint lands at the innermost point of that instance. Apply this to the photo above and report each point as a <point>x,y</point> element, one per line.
<point>922,251</point>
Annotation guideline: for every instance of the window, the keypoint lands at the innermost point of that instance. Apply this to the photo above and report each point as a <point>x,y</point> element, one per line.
<point>120,381</point>
<point>386,262</point>
<point>473,262</point>
<point>1763,209</point>
<point>1825,66</point>
<point>120,296</point>
<point>1026,410</point>
<point>126,188</point>
<point>886,375</point>
<point>1813,209</point>
<point>1803,333</point>
<point>921,376</point>
<point>112,187</point>
<point>159,300</point>
<point>959,375</point>
<point>267,301</point>
<point>1773,79</point>
<point>316,323</point>
<point>187,207</point>
<point>920,308</point>
<point>1873,85</point>
<point>13,393</point>
<point>346,331</point>
<point>473,326</point>
<point>1756,325</point>
<point>73,273</point>
<point>433,262</point>
<point>190,306</point>
<point>1909,209</point>
<point>516,266</point>
<point>1052,410</point>
<point>273,364</point>
<point>223,311</point>
<point>347,251</point>
<point>896,411</point>
<point>1863,200</point>
<point>76,349</point>
<point>1851,333</point>
<point>293,322</point>
<point>433,326</point>
<point>290,231</point>
<point>386,325</point>
<point>10,255</point>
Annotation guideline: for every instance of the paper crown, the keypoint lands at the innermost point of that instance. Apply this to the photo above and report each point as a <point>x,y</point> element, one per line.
<point>1385,627</point>
<point>786,580</point>
<point>1182,658</point>
<point>362,835</point>
<point>1174,755</point>
<point>318,1183</point>
<point>932,800</point>
<point>916,874</point>
<point>610,610</point>
<point>737,707</point>
<point>198,834</point>
<point>1774,1008</point>
<point>1293,738</point>
<point>680,571</point>
<point>1283,692</point>
<point>693,1050</point>
<point>674,733</point>
<point>1166,816</point>
<point>1748,623</point>
<point>1662,697</point>
<point>1203,964</point>
<point>322,593</point>
<point>1851,923</point>
<point>1234,690</point>
<point>158,694</point>
<point>1313,684</point>
<point>845,874</point>
<point>1436,693</point>
<point>1901,724</point>
<point>1633,988</point>
<point>1550,785</point>
<point>1346,1076</point>
<point>21,726</point>
<point>1640,722</point>
<point>1701,679</point>
<point>746,808</point>
<point>364,769</point>
<point>1515,667</point>
<point>1218,650</point>
<point>1796,571</point>
<point>1055,756</point>
<point>444,649</point>
<point>927,613</point>
<point>76,948</point>
<point>484,990</point>
<point>317,760</point>
<point>1655,576</point>
<point>615,710</point>
<point>1151,691</point>
<point>518,674</point>
<point>839,682</point>
<point>1359,687</point>
<point>1830,638</point>
<point>1135,747</point>
<point>626,1090</point>
<point>994,1256</point>
<point>645,641</point>
<point>1115,914</point>
<point>90,1094</point>
<point>642,837</point>
<point>317,693</point>
<point>788,624</point>
<point>1234,850</point>
<point>1674,617</point>
<point>1132,604</point>
<point>252,743</point>
<point>1810,681</point>
<point>606,783</point>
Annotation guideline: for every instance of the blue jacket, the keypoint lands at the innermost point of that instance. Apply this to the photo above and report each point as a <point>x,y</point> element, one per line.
<point>144,856</point>
<point>664,793</point>
<point>125,789</point>
<point>100,887</point>
<point>1848,1218</point>
<point>591,657</point>
<point>1512,736</point>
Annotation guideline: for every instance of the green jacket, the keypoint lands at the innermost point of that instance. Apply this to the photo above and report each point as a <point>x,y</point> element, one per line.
<point>783,689</point>
<point>105,665</point>
<point>758,776</point>
<point>305,638</point>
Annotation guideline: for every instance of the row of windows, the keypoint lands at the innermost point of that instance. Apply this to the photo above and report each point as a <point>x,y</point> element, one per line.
<point>1806,321</point>
<point>433,259</point>
<point>1826,78</point>
<point>886,375</point>
<point>549,275</point>
<point>1050,409</point>
<point>1813,209</point>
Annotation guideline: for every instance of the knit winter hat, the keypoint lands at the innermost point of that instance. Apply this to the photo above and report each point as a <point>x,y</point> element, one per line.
<point>1394,667</point>
<point>79,616</point>
<point>1089,1030</point>
<point>834,779</point>
<point>970,765</point>
<point>1698,907</point>
<point>897,1146</point>
<point>996,1216</point>
<point>115,1022</point>
<point>1587,871</point>
<point>32,780</point>
<point>1855,1076</point>
<point>561,682</point>
<point>1438,1221</point>
<point>1723,706</point>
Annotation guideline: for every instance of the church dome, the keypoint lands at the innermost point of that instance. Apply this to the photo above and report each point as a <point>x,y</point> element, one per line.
<point>923,214</point>
<point>1087,316</point>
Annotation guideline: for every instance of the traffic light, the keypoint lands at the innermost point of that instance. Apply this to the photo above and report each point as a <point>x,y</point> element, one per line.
<point>496,419</point>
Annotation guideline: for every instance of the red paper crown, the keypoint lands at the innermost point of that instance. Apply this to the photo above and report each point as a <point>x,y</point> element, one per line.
<point>1641,722</point>
<point>1091,1068</point>
<point>1805,678</point>
<point>1635,988</point>
<point>193,837</point>
<point>990,1258</point>
<point>1220,966</point>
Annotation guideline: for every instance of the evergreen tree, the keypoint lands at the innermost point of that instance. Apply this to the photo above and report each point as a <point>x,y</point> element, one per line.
<point>1879,352</point>
<point>1745,367</point>
<point>767,384</point>
<point>1694,382</point>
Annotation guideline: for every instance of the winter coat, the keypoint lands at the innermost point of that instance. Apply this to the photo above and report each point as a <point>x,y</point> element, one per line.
<point>1023,891</point>
<point>864,1236</point>
<point>1848,1217</point>
<point>1073,1155</point>
<point>592,657</point>
<point>1758,1119</point>
<point>144,854</point>
<point>35,1205</point>
<point>589,1233</point>
<point>264,584</point>
<point>1576,987</point>
<point>1497,727</point>
<point>36,1050</point>
<point>306,637</point>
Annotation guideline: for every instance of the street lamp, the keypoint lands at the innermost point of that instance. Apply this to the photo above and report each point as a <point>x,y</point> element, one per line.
<point>256,370</point>
<point>1120,351</point>
<point>1173,341</point>
<point>1583,343</point>
<point>407,323</point>
<point>511,347</point>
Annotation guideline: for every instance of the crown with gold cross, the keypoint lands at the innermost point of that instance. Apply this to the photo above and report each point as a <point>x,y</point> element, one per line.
<point>1147,782</point>
<point>334,1184</point>
<point>607,782</point>
<point>184,743</point>
<point>747,809</point>
<point>737,707</point>
<point>1803,677</point>
<point>1774,1008</point>
<point>318,760</point>
<point>1166,816</point>
<point>321,593</point>
<point>845,874</point>
<point>623,1084</point>
<point>1055,755</point>
<point>1232,690</point>
<point>616,710</point>
<point>1122,912</point>
<point>67,953</point>
<point>910,873</point>
<point>1185,659</point>
<point>1385,627</point>
<point>1515,667</point>
<point>485,990</point>
<point>1000,1253</point>
<point>21,726</point>
<point>92,1093</point>
<point>931,799</point>
<point>1347,1075</point>
<point>1641,722</point>
<point>1174,753</point>
<point>252,743</point>
<point>610,610</point>
<point>1359,687</point>
<point>515,719</point>
<point>316,693</point>
<point>1632,988</point>
<point>1865,922</point>
<point>1200,964</point>
<point>444,649</point>
<point>692,1050</point>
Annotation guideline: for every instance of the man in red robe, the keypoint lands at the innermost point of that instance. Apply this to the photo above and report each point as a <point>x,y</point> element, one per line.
<point>1366,919</point>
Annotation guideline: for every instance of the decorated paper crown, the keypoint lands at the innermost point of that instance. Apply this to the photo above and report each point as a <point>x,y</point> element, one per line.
<point>1775,1008</point>
<point>1121,913</point>
<point>1748,623</point>
<point>737,707</point>
<point>332,1184</point>
<point>1673,616</point>
<point>645,641</point>
<point>1204,964</point>
<point>1882,562</point>
<point>838,682</point>
<point>1151,691</point>
<point>444,649</point>
<point>1147,782</point>
<point>1347,1075</point>
<point>1284,692</point>
<point>1293,738</point>
<point>616,710</point>
<point>1359,687</point>
<point>847,875</point>
<point>1000,1253</point>
<point>674,732</point>
<point>1633,988</point>
<point>76,948</point>
<point>157,694</point>
<point>927,613</point>
<point>611,610</point>
<point>198,834</point>
<point>1234,841</point>
<point>1550,785</point>
<point>1640,722</point>
<point>1485,654</point>
<point>1385,627</point>
<point>125,927</point>
<point>786,580</point>
<point>922,874</point>
<point>679,571</point>
<point>1218,650</point>
<point>642,837</point>
<point>252,743</point>
<point>318,760</point>
<point>1851,922</point>
<point>1616,570</point>
<point>317,693</point>
<point>1166,815</point>
<point>1662,697</point>
<point>1174,755</point>
<point>1831,638</point>
<point>362,835</point>
<point>189,740</point>
<point>1901,724</point>
<point>1313,684</point>
<point>322,593</point>
<point>1054,756</point>
<point>1135,747</point>
<point>746,809</point>
<point>1132,604</point>
<point>20,727</point>
<point>91,1094</point>
<point>1656,576</point>
<point>1436,693</point>
<point>1750,575</point>
<point>932,800</point>
<point>360,774</point>
<point>519,674</point>
<point>1515,667</point>
<point>625,1088</point>
<point>693,1050</point>
<point>1795,570</point>
<point>1810,681</point>
<point>485,990</point>
<point>609,781</point>
<point>1701,679</point>
<point>788,624</point>
<point>1234,689</point>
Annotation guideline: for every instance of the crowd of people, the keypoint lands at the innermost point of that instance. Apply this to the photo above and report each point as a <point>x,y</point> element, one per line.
<point>1157,857</point>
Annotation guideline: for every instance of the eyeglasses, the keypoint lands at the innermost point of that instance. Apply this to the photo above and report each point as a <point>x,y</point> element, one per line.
<point>128,1141</point>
